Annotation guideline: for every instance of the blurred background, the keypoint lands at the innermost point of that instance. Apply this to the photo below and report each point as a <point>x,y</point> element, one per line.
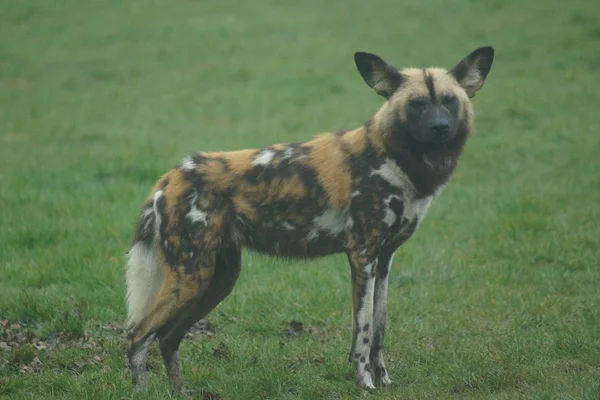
<point>495,297</point>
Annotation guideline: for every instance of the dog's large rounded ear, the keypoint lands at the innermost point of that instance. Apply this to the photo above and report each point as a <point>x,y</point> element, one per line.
<point>379,75</point>
<point>473,69</point>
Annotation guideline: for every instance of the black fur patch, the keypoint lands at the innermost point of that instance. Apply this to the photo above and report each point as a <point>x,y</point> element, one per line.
<point>409,155</point>
<point>144,231</point>
<point>430,84</point>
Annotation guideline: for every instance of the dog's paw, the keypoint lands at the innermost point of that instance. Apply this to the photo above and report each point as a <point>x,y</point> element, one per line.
<point>367,387</point>
<point>382,379</point>
<point>364,382</point>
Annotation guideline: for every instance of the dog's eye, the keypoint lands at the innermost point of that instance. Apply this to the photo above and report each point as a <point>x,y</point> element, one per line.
<point>418,104</point>
<point>449,99</point>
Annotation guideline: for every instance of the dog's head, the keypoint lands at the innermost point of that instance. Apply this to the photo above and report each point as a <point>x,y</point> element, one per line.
<point>426,106</point>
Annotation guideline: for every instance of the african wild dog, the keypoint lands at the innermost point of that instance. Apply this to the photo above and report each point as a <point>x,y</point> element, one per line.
<point>362,192</point>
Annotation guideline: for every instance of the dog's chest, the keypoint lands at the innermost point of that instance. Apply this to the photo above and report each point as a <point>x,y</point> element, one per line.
<point>402,216</point>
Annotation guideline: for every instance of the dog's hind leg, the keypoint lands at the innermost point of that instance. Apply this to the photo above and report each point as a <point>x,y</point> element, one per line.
<point>227,269</point>
<point>178,292</point>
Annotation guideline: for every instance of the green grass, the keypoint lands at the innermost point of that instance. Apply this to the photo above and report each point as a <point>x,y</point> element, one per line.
<point>497,295</point>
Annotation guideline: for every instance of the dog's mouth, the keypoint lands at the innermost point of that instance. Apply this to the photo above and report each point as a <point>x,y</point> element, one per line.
<point>443,139</point>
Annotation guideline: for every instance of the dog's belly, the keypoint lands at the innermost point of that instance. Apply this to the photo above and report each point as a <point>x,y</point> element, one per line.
<point>287,245</point>
<point>287,240</point>
<point>327,233</point>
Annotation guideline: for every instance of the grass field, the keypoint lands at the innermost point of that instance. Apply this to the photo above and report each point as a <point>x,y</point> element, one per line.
<point>498,294</point>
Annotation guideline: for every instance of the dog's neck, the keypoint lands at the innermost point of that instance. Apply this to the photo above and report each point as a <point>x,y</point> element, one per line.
<point>429,166</point>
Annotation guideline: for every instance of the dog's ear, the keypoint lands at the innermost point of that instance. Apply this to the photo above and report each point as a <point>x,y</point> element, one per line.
<point>379,75</point>
<point>473,69</point>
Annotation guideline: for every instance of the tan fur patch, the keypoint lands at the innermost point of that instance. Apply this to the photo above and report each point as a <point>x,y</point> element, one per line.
<point>170,283</point>
<point>206,200</point>
<point>243,206</point>
<point>451,86</point>
<point>472,81</point>
<point>415,86</point>
<point>355,140</point>
<point>174,191</point>
<point>331,165</point>
<point>212,237</point>
<point>215,174</point>
<point>157,186</point>
<point>292,187</point>
<point>376,138</point>
<point>279,147</point>
<point>268,192</point>
<point>240,161</point>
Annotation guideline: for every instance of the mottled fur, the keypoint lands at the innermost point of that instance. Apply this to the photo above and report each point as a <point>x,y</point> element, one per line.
<point>362,192</point>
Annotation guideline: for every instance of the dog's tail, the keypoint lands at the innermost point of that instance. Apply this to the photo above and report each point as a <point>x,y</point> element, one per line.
<point>145,270</point>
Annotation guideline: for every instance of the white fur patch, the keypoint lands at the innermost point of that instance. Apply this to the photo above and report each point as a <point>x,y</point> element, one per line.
<point>448,162</point>
<point>288,153</point>
<point>188,164</point>
<point>472,81</point>
<point>146,219</point>
<point>364,319</point>
<point>264,158</point>
<point>331,221</point>
<point>440,189</point>
<point>349,223</point>
<point>417,208</point>
<point>390,216</point>
<point>147,212</point>
<point>380,307</point>
<point>393,174</point>
<point>368,268</point>
<point>427,161</point>
<point>141,356</point>
<point>287,226</point>
<point>144,279</point>
<point>144,274</point>
<point>195,214</point>
<point>443,165</point>
<point>157,217</point>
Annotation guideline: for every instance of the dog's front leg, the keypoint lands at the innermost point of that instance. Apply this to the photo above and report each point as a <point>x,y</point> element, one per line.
<point>384,263</point>
<point>363,285</point>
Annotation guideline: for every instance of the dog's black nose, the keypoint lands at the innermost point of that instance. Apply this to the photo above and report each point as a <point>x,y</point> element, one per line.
<point>440,128</point>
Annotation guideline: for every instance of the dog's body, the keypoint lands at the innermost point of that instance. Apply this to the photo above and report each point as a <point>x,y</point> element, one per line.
<point>362,192</point>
